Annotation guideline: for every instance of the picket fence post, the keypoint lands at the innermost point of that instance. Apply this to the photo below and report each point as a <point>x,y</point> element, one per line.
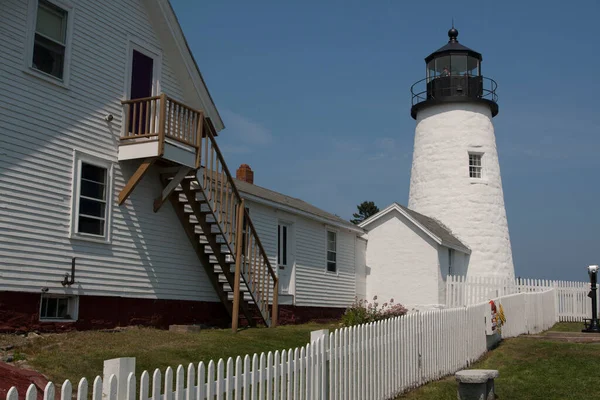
<point>120,368</point>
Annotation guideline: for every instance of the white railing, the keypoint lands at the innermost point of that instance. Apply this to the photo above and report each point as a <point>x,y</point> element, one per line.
<point>371,361</point>
<point>572,301</point>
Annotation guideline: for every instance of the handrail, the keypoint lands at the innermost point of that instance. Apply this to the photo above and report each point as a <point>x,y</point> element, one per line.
<point>487,93</point>
<point>252,263</point>
<point>130,101</point>
<point>220,156</point>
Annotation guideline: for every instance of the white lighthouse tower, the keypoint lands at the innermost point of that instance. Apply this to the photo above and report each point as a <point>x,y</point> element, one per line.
<point>455,175</point>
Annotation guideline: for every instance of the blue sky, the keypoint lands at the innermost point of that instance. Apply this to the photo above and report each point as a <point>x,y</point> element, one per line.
<point>315,97</point>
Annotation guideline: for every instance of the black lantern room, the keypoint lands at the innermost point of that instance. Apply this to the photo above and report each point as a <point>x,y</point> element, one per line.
<point>453,75</point>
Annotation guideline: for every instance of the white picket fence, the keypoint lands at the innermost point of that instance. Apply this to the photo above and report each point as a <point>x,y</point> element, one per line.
<point>572,299</point>
<point>528,313</point>
<point>371,361</point>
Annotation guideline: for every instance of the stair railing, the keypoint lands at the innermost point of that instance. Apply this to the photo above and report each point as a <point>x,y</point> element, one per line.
<point>252,264</point>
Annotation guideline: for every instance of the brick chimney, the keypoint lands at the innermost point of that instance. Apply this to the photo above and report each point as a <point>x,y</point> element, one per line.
<point>245,173</point>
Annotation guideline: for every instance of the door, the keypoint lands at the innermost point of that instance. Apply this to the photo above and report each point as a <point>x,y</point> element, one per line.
<point>285,264</point>
<point>142,78</point>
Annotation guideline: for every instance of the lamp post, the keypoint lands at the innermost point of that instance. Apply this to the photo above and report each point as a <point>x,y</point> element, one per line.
<point>593,325</point>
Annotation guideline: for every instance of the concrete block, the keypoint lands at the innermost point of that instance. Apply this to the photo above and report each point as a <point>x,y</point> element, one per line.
<point>476,384</point>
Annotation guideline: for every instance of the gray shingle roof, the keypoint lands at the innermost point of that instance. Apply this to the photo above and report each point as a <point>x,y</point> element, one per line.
<point>438,229</point>
<point>292,202</point>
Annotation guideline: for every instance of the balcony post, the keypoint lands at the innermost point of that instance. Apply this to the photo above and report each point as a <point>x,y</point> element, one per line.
<point>275,305</point>
<point>199,133</point>
<point>238,266</point>
<point>162,121</point>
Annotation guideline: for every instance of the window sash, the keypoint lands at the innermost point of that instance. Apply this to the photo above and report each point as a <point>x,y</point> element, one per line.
<point>475,165</point>
<point>47,15</point>
<point>102,200</point>
<point>55,307</point>
<point>331,257</point>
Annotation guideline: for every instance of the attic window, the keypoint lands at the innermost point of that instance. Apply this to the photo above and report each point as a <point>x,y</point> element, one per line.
<point>475,165</point>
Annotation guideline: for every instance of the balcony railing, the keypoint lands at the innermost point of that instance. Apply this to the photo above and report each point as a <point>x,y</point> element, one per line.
<point>161,118</point>
<point>438,88</point>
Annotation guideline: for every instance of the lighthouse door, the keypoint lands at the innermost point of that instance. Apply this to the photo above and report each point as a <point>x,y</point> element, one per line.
<point>285,262</point>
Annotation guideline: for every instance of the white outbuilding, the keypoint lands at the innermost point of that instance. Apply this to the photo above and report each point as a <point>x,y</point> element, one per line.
<point>409,256</point>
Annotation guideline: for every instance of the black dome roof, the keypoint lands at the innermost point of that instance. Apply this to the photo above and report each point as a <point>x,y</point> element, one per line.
<point>453,47</point>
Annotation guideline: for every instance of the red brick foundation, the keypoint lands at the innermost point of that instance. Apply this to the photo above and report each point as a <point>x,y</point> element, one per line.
<point>289,315</point>
<point>19,312</point>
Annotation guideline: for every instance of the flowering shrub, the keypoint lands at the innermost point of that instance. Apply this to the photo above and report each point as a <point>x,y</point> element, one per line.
<point>362,312</point>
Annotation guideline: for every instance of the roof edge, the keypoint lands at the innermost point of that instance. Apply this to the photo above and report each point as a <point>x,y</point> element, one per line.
<point>174,27</point>
<point>283,207</point>
<point>395,206</point>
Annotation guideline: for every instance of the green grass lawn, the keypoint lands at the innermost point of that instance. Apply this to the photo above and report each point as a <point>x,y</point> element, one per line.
<point>81,354</point>
<point>532,369</point>
<point>568,327</point>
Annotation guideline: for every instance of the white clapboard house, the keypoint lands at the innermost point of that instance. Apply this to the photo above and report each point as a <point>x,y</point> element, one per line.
<point>116,204</point>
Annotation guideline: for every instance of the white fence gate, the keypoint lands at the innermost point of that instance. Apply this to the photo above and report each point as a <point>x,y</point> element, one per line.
<point>572,299</point>
<point>371,361</point>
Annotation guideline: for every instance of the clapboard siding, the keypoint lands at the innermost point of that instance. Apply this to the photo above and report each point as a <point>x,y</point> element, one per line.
<point>41,124</point>
<point>313,285</point>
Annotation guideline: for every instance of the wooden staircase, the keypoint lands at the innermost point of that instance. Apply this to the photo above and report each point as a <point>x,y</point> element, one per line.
<point>210,209</point>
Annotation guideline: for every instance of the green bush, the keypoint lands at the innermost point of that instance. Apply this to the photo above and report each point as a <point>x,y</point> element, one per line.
<point>363,312</point>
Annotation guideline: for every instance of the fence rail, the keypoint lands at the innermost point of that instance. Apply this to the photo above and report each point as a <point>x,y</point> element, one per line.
<point>571,298</point>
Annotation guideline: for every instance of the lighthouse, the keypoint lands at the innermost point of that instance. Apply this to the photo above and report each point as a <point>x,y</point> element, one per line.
<point>455,176</point>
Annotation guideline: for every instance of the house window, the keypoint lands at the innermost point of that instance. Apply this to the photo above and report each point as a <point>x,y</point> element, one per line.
<point>50,40</point>
<point>450,261</point>
<point>92,194</point>
<point>331,251</point>
<point>58,307</point>
<point>475,166</point>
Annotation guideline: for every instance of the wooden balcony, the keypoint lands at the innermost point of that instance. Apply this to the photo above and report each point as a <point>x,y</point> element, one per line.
<point>161,127</point>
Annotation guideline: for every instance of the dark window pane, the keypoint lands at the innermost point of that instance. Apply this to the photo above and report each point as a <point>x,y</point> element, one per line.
<point>331,256</point>
<point>331,267</point>
<point>91,226</point>
<point>44,310</point>
<point>93,173</point>
<point>51,310</point>
<point>63,308</point>
<point>91,208</point>
<point>285,245</point>
<point>48,56</point>
<point>279,243</point>
<point>93,190</point>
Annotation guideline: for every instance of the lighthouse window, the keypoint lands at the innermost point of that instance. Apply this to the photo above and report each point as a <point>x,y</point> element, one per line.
<point>475,166</point>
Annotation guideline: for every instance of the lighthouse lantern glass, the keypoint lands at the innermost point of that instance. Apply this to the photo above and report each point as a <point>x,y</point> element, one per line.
<point>459,64</point>
<point>473,66</point>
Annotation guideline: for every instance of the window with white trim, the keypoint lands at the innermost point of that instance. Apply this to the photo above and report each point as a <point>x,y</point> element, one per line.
<point>331,251</point>
<point>50,39</point>
<point>92,188</point>
<point>475,165</point>
<point>58,307</point>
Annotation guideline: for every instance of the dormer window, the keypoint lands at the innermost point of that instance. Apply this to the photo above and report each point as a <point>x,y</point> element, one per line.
<point>50,42</point>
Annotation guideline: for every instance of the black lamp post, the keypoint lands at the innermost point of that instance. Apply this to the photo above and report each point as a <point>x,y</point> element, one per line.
<point>592,325</point>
